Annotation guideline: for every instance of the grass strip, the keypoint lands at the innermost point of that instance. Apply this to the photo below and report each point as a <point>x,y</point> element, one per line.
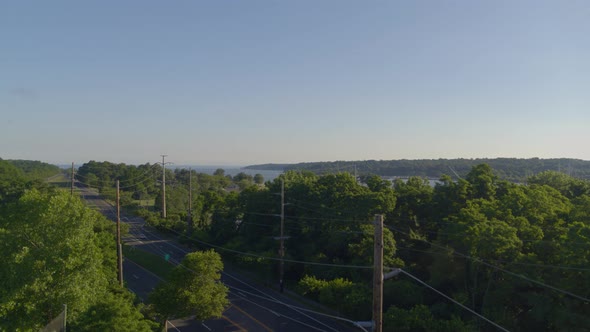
<point>153,263</point>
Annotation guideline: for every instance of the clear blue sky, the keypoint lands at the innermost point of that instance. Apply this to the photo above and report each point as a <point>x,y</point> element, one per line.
<point>243,82</point>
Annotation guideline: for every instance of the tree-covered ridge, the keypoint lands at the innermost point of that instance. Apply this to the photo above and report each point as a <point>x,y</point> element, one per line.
<point>35,169</point>
<point>512,169</point>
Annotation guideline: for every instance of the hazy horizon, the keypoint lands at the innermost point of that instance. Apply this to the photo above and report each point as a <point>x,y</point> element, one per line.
<point>229,166</point>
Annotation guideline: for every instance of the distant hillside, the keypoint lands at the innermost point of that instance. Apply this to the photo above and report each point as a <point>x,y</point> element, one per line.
<point>512,169</point>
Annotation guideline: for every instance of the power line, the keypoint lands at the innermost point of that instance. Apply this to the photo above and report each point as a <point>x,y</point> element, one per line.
<point>265,308</point>
<point>453,300</point>
<point>139,182</point>
<point>479,260</point>
<point>296,307</point>
<point>308,218</point>
<point>267,257</point>
<point>150,169</point>
<point>267,297</point>
<point>424,223</point>
<point>496,260</point>
<point>319,206</point>
<point>549,266</point>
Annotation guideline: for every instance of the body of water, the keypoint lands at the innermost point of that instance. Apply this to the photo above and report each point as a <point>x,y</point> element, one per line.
<point>234,170</point>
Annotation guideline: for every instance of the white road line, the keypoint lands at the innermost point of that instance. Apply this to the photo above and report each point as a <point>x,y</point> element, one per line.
<point>169,322</point>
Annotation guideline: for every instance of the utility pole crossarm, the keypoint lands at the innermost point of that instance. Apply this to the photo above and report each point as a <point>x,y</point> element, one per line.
<point>392,273</point>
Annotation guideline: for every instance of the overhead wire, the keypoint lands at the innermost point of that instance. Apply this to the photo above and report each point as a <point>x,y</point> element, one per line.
<point>517,263</point>
<point>408,274</point>
<point>450,252</point>
<point>316,206</point>
<point>268,309</point>
<point>453,300</point>
<point>423,223</point>
<point>457,253</point>
<point>479,260</point>
<point>266,297</point>
<point>269,297</point>
<point>267,257</point>
<point>150,169</point>
<point>308,218</point>
<point>505,261</point>
<point>299,308</point>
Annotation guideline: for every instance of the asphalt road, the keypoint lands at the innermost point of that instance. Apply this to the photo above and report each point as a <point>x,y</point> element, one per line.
<point>253,308</point>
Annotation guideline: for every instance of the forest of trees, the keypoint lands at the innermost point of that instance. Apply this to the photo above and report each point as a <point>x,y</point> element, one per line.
<point>517,253</point>
<point>512,169</point>
<point>35,169</point>
<point>57,251</point>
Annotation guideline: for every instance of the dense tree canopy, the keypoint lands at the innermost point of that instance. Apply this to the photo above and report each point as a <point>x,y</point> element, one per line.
<point>35,169</point>
<point>193,288</point>
<point>518,253</point>
<point>57,251</point>
<point>460,236</point>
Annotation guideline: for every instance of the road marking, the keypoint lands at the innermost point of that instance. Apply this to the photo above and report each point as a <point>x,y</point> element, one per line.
<point>234,323</point>
<point>135,276</point>
<point>254,319</point>
<point>207,327</point>
<point>143,268</point>
<point>169,322</point>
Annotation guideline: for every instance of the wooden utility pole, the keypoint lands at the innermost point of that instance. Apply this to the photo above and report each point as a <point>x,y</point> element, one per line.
<point>190,200</point>
<point>378,276</point>
<point>72,185</point>
<point>163,186</point>
<point>119,246</point>
<point>65,322</point>
<point>282,238</point>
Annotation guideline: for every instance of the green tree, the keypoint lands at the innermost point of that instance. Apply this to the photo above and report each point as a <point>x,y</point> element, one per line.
<point>12,181</point>
<point>565,184</point>
<point>113,312</point>
<point>483,181</point>
<point>50,258</point>
<point>413,207</point>
<point>193,288</point>
<point>258,178</point>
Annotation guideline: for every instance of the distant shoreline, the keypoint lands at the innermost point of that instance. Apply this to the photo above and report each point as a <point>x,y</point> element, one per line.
<point>513,169</point>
